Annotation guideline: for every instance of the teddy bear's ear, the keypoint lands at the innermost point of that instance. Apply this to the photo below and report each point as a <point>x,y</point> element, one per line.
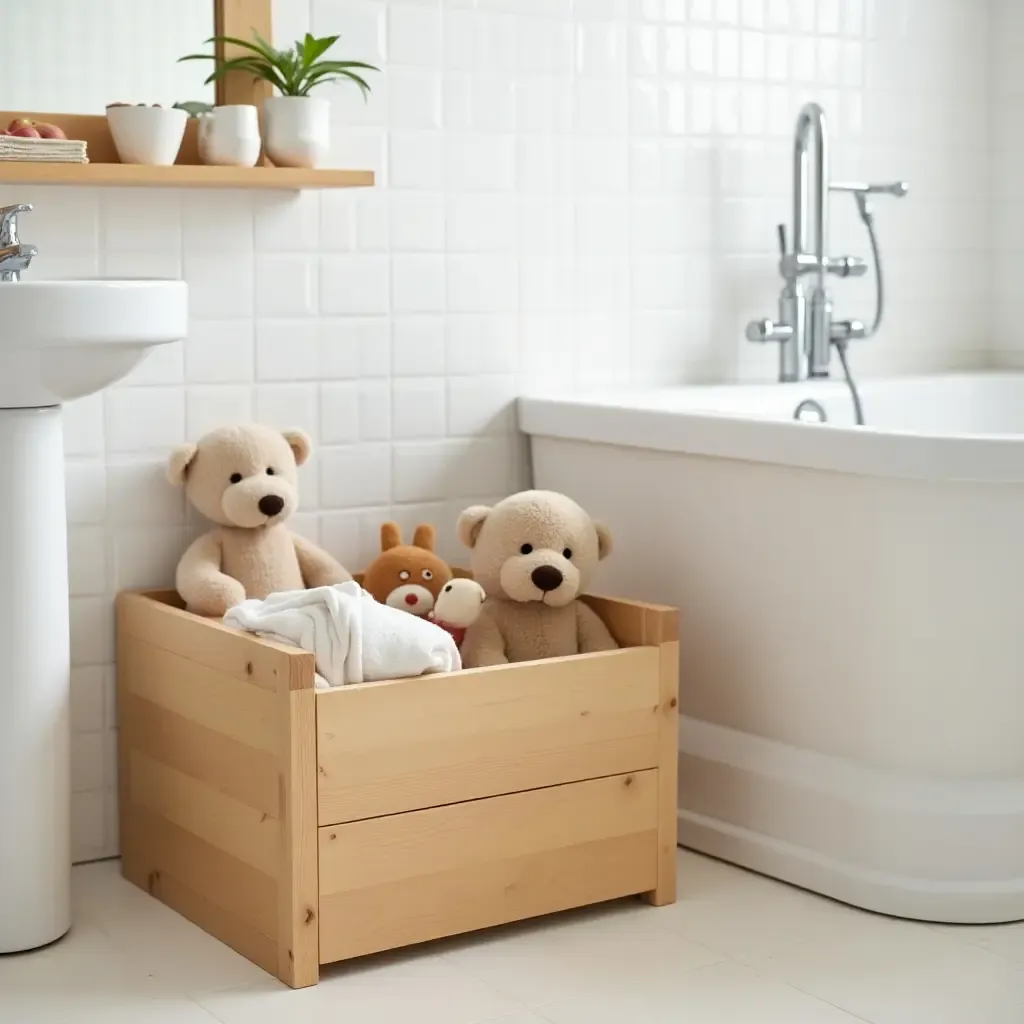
<point>425,537</point>
<point>299,443</point>
<point>470,523</point>
<point>390,536</point>
<point>177,465</point>
<point>604,540</point>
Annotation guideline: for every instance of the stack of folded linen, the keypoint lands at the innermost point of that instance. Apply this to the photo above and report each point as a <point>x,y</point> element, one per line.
<point>58,151</point>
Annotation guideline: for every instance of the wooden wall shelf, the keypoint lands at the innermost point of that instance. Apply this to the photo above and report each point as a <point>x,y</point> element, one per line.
<point>181,176</point>
<point>105,168</point>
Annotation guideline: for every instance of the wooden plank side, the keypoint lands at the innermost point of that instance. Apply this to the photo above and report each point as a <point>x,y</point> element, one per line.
<point>230,767</point>
<point>668,776</point>
<point>298,901</point>
<point>252,837</point>
<point>201,694</point>
<point>634,623</point>
<point>151,844</point>
<point>252,944</point>
<point>388,748</point>
<point>208,642</point>
<point>412,877</point>
<point>184,174</point>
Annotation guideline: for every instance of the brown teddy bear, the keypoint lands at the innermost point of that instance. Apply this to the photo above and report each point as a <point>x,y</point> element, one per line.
<point>244,478</point>
<point>534,554</point>
<point>407,576</point>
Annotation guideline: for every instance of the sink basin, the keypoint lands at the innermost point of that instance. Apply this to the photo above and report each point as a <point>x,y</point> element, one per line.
<point>61,340</point>
<point>58,340</point>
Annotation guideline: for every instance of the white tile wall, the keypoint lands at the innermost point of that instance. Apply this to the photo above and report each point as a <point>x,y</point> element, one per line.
<point>1006,225</point>
<point>572,193</point>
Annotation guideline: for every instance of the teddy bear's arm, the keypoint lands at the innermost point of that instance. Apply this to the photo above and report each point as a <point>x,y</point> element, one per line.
<point>317,567</point>
<point>484,644</point>
<point>205,589</point>
<point>591,633</point>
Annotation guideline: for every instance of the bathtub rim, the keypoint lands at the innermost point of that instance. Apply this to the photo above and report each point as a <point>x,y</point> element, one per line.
<point>863,451</point>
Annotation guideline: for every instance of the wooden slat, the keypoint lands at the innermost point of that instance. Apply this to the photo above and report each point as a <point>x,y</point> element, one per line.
<point>251,836</point>
<point>635,624</point>
<point>386,748</point>
<point>151,844</point>
<point>298,941</point>
<point>291,179</point>
<point>388,882</point>
<point>210,643</point>
<point>203,695</point>
<point>668,776</point>
<point>252,944</point>
<point>240,771</point>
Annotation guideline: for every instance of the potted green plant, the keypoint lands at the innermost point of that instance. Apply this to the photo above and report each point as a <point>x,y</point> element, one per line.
<point>296,126</point>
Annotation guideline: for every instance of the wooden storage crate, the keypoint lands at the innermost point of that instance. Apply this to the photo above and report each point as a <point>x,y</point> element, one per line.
<point>302,827</point>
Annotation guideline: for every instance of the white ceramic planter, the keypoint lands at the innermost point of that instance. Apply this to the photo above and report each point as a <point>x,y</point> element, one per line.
<point>230,136</point>
<point>297,130</point>
<point>147,135</point>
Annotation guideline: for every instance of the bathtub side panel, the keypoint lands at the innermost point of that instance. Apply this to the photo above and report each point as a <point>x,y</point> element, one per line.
<point>848,639</point>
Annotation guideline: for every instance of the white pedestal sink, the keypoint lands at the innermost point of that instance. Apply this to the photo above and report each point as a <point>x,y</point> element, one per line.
<point>59,340</point>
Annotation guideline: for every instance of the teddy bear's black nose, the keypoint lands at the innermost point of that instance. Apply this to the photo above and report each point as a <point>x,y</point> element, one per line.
<point>271,504</point>
<point>546,577</point>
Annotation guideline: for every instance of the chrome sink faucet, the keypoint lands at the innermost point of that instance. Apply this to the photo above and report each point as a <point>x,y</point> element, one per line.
<point>805,329</point>
<point>15,256</point>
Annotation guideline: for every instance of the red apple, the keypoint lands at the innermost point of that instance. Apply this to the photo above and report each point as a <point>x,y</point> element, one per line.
<point>49,131</point>
<point>25,131</point>
<point>18,122</point>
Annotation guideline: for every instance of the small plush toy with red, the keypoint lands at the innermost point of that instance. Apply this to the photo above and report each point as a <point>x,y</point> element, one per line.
<point>458,607</point>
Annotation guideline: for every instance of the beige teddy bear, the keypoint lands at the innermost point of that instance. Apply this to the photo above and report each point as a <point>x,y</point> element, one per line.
<point>244,478</point>
<point>534,554</point>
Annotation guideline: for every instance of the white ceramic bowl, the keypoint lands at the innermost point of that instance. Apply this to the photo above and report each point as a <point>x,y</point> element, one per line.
<point>147,135</point>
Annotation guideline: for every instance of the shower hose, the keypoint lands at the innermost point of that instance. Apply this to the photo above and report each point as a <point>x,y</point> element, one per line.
<point>868,218</point>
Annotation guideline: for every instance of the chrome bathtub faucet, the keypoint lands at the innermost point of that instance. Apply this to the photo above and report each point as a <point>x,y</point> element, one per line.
<point>805,329</point>
<point>15,256</point>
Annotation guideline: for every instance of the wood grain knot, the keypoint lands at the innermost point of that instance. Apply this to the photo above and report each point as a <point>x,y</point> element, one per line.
<point>628,781</point>
<point>248,668</point>
<point>310,915</point>
<point>334,835</point>
<point>673,702</point>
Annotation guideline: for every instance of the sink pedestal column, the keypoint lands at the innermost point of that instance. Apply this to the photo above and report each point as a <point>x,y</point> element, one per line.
<point>35,773</point>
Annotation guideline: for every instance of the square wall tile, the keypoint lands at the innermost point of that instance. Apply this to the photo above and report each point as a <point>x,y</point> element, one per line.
<point>286,285</point>
<point>144,419</point>
<point>355,476</point>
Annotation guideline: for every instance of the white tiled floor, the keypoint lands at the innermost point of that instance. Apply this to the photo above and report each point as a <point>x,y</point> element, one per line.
<point>736,948</point>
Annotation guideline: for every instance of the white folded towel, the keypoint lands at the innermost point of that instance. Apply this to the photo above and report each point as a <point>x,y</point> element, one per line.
<point>355,638</point>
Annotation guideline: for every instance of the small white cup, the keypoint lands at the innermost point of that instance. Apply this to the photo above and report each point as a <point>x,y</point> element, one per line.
<point>230,136</point>
<point>147,135</point>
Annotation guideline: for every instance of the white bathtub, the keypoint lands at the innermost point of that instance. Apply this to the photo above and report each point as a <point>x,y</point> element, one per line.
<point>852,609</point>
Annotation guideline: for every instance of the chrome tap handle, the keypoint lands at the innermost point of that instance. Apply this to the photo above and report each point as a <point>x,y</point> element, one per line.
<point>768,330</point>
<point>782,239</point>
<point>9,222</point>
<point>847,330</point>
<point>847,266</point>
